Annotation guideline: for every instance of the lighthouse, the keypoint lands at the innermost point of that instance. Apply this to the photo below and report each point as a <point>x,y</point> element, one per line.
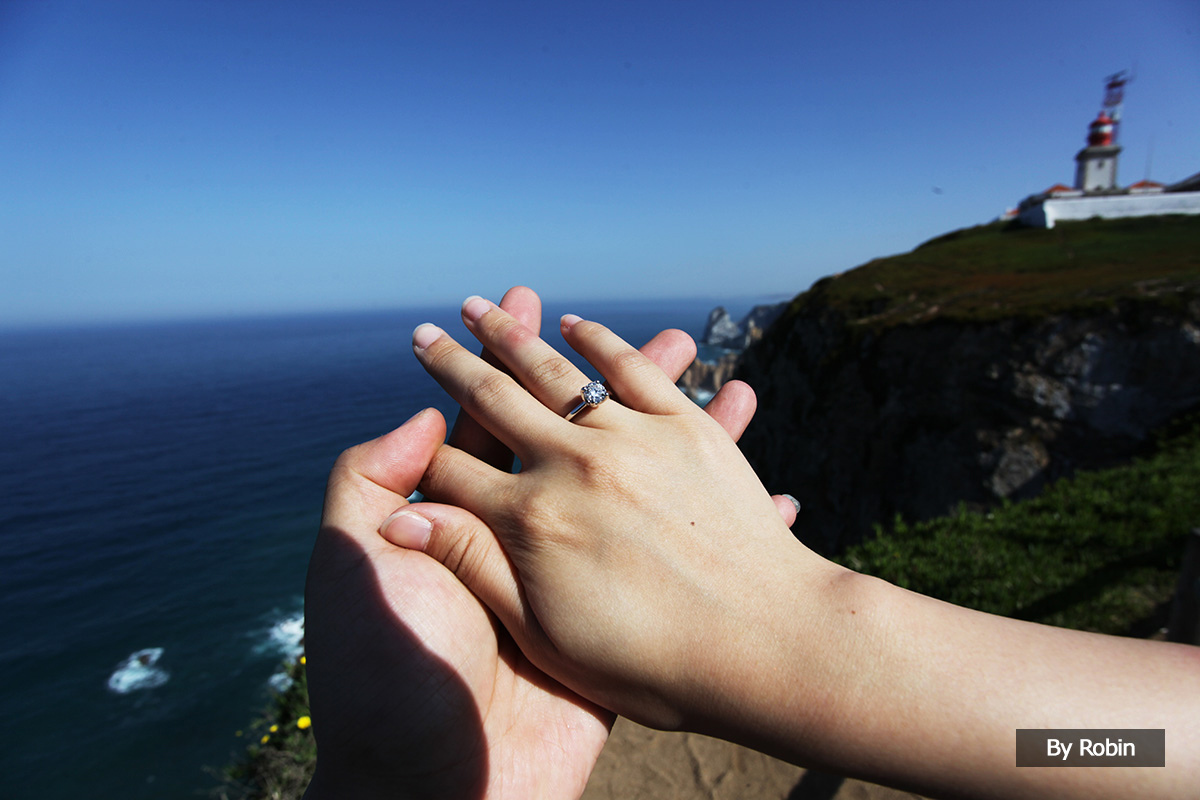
<point>1096,164</point>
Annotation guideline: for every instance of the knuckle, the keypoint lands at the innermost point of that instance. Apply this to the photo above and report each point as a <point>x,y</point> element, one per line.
<point>439,354</point>
<point>550,370</point>
<point>487,390</point>
<point>437,474</point>
<point>630,361</point>
<point>347,459</point>
<point>346,471</point>
<point>532,517</point>
<point>462,555</point>
<point>507,330</point>
<point>607,477</point>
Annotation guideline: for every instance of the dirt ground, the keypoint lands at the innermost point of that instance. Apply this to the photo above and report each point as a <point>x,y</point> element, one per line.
<point>641,763</point>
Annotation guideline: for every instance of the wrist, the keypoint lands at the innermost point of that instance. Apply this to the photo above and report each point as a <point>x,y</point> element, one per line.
<point>797,650</point>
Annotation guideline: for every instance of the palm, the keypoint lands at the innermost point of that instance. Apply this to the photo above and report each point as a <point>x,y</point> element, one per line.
<point>532,737</point>
<point>415,683</point>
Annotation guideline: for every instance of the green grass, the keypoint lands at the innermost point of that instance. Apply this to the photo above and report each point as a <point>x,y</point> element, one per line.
<point>1099,552</point>
<point>1003,270</point>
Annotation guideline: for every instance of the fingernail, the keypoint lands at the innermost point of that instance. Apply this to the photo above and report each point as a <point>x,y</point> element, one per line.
<point>794,502</point>
<point>425,335</point>
<point>569,321</point>
<point>407,529</point>
<point>475,307</point>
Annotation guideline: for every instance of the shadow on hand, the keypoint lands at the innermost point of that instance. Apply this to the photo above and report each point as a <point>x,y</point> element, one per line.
<point>391,717</point>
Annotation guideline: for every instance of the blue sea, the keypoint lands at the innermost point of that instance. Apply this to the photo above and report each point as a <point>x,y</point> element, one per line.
<point>160,488</point>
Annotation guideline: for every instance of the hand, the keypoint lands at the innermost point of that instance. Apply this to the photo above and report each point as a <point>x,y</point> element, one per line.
<point>618,550</point>
<point>416,690</point>
<point>732,407</point>
<point>637,559</point>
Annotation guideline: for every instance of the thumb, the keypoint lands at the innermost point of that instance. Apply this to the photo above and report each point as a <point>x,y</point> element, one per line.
<point>463,544</point>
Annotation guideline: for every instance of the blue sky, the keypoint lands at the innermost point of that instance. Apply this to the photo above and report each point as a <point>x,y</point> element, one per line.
<point>183,159</point>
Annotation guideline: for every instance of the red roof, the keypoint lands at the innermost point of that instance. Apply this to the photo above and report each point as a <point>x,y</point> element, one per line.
<point>1146,185</point>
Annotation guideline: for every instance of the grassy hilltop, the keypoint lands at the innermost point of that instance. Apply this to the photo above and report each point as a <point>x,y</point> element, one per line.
<point>1002,269</point>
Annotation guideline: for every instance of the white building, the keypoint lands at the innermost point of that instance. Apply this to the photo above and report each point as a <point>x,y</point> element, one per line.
<point>1097,193</point>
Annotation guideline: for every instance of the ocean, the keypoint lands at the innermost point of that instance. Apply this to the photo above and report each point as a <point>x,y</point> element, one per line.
<point>160,489</point>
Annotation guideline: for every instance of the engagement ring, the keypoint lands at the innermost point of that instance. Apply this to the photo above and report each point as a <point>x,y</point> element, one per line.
<point>593,395</point>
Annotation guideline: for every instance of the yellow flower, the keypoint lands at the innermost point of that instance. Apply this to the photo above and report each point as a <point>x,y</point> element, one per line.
<point>303,722</point>
<point>274,729</point>
<point>303,659</point>
<point>265,739</point>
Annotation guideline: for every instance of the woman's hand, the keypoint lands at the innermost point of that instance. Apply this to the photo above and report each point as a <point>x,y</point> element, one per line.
<point>626,556</point>
<point>637,559</point>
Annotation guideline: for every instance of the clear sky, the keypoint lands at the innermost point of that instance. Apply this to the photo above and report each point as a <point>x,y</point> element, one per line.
<point>165,158</point>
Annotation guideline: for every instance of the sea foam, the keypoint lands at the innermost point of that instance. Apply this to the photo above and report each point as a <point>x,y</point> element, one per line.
<point>285,637</point>
<point>139,671</point>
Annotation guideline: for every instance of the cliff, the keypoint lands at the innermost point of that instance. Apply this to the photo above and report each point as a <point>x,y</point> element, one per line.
<point>976,368</point>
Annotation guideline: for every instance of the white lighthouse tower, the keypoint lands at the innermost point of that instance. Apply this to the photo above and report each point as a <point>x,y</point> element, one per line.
<point>1096,164</point>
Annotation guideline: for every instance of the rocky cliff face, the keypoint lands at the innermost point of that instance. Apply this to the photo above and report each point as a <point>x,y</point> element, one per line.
<point>862,423</point>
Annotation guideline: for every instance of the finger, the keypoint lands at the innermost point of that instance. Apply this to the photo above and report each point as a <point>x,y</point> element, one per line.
<point>468,548</point>
<point>396,460</point>
<point>788,507</point>
<point>541,369</point>
<point>368,480</point>
<point>492,397</point>
<point>468,435</point>
<point>459,479</point>
<point>733,406</point>
<point>672,350</point>
<point>636,379</point>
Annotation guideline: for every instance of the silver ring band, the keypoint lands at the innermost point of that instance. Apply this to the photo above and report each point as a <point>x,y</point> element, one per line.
<point>593,394</point>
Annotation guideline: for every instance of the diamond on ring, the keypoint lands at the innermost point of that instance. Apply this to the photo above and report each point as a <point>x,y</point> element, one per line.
<point>593,395</point>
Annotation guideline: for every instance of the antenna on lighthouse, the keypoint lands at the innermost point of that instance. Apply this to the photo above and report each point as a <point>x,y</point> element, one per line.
<point>1114,96</point>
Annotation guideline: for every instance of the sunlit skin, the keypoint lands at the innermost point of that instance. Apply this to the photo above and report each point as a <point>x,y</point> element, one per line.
<point>618,570</point>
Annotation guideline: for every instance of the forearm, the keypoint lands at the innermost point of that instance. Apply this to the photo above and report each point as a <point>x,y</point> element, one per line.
<point>895,687</point>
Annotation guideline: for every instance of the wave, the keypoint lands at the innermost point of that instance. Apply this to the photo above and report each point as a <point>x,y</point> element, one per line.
<point>280,682</point>
<point>139,671</point>
<point>286,638</point>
